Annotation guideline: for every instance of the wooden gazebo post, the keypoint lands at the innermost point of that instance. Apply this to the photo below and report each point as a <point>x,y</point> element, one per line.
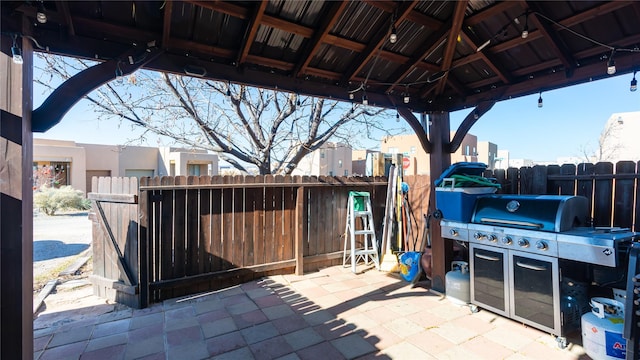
<point>16,202</point>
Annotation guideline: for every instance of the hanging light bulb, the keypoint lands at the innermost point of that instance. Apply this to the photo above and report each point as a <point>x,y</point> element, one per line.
<point>298,100</point>
<point>540,100</point>
<point>475,115</point>
<point>351,96</point>
<point>41,16</point>
<point>406,98</point>
<point>634,83</point>
<point>365,101</point>
<point>525,32</point>
<point>394,35</point>
<point>397,116</point>
<point>16,53</point>
<point>611,64</point>
<point>229,89</point>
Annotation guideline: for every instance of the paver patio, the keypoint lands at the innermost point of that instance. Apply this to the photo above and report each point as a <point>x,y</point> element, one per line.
<point>330,314</point>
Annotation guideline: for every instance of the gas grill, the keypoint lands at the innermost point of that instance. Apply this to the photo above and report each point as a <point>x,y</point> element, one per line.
<point>524,251</point>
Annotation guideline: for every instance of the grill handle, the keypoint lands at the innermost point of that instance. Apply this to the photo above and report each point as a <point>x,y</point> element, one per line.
<point>485,257</point>
<point>531,267</point>
<point>512,222</point>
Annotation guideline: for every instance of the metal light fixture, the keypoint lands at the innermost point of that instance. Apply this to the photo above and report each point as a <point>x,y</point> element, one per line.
<point>634,83</point>
<point>365,101</point>
<point>394,35</point>
<point>406,98</point>
<point>611,64</point>
<point>351,96</point>
<point>476,115</point>
<point>229,89</point>
<point>525,32</point>
<point>16,52</point>
<point>540,100</point>
<point>397,116</point>
<point>41,15</point>
<point>298,100</point>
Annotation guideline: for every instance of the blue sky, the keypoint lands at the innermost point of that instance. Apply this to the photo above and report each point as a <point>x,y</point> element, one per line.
<point>570,120</point>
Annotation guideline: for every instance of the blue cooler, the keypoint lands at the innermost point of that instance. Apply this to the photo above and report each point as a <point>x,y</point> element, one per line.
<point>457,202</point>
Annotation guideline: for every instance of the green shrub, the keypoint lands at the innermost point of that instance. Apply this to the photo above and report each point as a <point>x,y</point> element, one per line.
<point>50,200</point>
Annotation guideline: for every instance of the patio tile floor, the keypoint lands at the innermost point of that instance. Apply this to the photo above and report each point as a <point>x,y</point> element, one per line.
<point>330,314</point>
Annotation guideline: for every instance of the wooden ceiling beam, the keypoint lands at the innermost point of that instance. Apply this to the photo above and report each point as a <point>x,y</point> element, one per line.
<point>554,41</point>
<point>166,23</point>
<point>319,37</point>
<point>66,15</point>
<point>427,47</point>
<point>251,30</point>
<point>487,59</point>
<point>377,41</point>
<point>486,13</point>
<point>456,28</point>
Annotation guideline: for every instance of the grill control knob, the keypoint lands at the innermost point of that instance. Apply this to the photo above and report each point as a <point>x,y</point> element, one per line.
<point>493,238</point>
<point>523,242</point>
<point>453,232</point>
<point>479,236</point>
<point>507,240</point>
<point>541,245</point>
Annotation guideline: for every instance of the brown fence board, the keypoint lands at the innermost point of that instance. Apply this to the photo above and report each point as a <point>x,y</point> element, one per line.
<point>269,219</point>
<point>624,195</point>
<point>192,231</point>
<point>567,187</point>
<point>238,238</point>
<point>227,225</point>
<point>179,228</point>
<point>584,187</point>
<point>248,225</point>
<point>166,243</point>
<point>289,205</point>
<point>216,256</point>
<point>278,220</point>
<point>603,195</point>
<point>259,249</point>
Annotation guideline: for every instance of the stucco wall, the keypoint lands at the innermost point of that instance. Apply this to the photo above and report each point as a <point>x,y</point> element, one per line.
<point>63,151</point>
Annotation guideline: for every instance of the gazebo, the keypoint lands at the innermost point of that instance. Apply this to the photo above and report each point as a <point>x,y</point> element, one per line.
<point>423,58</point>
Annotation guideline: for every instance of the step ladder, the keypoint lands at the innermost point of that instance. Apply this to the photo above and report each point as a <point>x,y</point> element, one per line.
<point>359,207</point>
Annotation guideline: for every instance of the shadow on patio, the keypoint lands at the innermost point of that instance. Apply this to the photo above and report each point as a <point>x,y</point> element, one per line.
<point>330,314</point>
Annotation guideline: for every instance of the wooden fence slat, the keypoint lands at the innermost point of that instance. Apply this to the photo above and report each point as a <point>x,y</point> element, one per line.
<point>238,223</point>
<point>216,255</point>
<point>269,219</point>
<point>166,235</point>
<point>603,196</point>
<point>192,231</point>
<point>624,195</point>
<point>258,224</point>
<point>567,187</point>
<point>179,229</point>
<point>248,225</point>
<point>227,225</point>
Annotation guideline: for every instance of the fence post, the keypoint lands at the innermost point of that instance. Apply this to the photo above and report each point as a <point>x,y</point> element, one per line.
<point>143,249</point>
<point>299,229</point>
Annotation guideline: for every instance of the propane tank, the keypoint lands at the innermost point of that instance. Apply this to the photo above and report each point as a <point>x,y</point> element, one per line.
<point>602,330</point>
<point>457,283</point>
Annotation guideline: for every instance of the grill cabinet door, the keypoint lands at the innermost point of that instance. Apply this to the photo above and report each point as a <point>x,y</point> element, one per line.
<point>489,278</point>
<point>535,291</point>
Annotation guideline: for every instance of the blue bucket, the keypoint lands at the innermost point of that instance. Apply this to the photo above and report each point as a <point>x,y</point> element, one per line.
<point>410,265</point>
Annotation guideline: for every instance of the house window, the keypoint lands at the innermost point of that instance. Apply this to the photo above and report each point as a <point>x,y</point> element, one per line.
<point>346,173</point>
<point>193,169</point>
<point>466,150</point>
<point>339,163</point>
<point>322,155</point>
<point>413,150</point>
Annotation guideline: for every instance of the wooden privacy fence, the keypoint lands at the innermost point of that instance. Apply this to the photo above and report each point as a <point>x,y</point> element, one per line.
<point>204,233</point>
<point>611,189</point>
<point>181,235</point>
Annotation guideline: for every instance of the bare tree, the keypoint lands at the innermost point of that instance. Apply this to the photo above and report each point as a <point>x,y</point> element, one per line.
<point>271,130</point>
<point>608,144</point>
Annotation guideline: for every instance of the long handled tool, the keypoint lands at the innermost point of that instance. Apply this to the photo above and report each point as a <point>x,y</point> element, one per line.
<point>389,260</point>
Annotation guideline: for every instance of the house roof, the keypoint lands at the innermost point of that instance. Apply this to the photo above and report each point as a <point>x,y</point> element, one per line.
<point>449,55</point>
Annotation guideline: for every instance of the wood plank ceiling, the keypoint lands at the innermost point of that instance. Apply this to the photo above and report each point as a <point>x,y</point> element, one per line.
<point>449,55</point>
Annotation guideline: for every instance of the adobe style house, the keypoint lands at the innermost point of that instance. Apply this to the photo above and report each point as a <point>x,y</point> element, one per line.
<point>71,163</point>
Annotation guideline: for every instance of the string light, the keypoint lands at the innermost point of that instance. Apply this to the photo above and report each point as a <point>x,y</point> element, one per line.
<point>229,88</point>
<point>611,64</point>
<point>634,83</point>
<point>16,53</point>
<point>41,15</point>
<point>540,100</point>
<point>525,32</point>
<point>365,101</point>
<point>397,116</point>
<point>394,35</point>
